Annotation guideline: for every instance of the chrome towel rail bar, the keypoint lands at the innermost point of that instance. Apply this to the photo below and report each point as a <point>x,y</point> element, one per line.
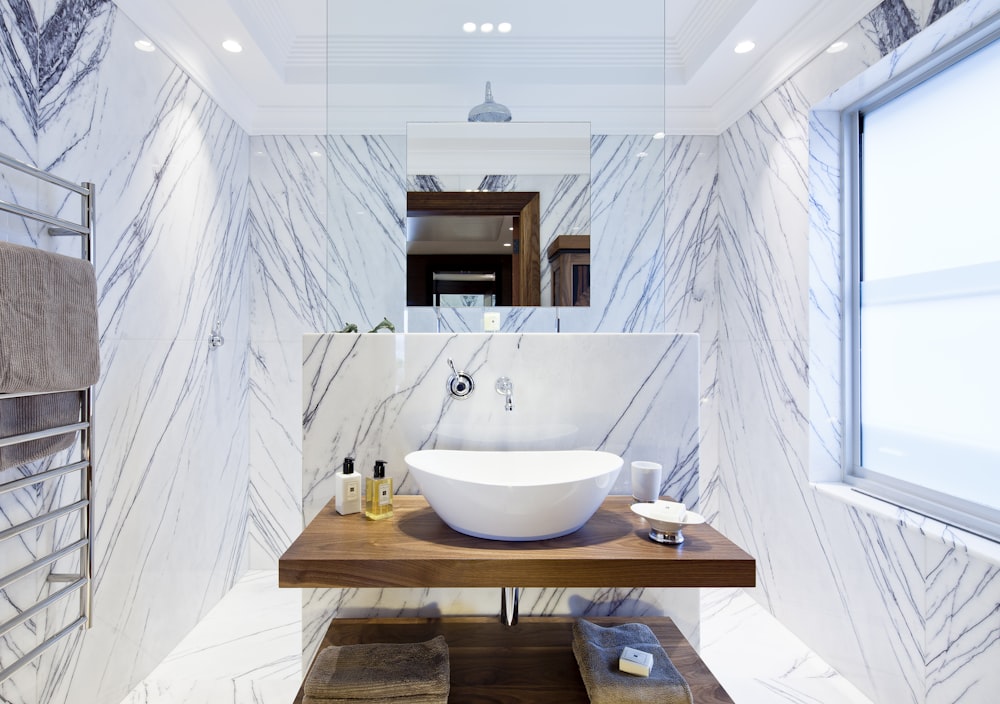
<point>8,579</point>
<point>80,582</point>
<point>42,477</point>
<point>42,434</point>
<point>48,643</point>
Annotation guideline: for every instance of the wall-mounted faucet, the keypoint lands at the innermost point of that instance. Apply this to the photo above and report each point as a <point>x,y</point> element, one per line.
<point>505,387</point>
<point>460,384</point>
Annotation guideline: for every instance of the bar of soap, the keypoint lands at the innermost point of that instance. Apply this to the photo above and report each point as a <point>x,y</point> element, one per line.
<point>671,511</point>
<point>635,662</point>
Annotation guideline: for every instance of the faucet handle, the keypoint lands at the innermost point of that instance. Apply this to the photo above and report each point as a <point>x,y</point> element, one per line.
<point>460,384</point>
<point>505,387</point>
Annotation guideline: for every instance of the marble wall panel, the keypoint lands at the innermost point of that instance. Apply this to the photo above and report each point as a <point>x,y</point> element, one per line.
<point>288,245</point>
<point>366,206</point>
<point>380,396</point>
<point>961,618</point>
<point>275,503</point>
<point>627,291</point>
<point>861,583</point>
<point>172,416</point>
<point>288,237</point>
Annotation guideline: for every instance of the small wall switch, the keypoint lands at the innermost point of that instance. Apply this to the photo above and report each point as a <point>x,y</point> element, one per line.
<point>636,662</point>
<point>491,322</point>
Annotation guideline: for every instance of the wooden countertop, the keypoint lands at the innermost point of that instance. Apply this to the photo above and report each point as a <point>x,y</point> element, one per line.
<point>414,548</point>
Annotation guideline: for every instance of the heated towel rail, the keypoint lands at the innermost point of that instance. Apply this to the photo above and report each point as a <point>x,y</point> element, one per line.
<point>79,583</point>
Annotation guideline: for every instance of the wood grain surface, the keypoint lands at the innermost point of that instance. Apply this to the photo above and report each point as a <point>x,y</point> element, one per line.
<point>416,549</point>
<point>531,663</point>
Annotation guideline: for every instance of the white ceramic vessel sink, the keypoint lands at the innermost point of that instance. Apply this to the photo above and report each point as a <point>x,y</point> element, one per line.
<point>515,495</point>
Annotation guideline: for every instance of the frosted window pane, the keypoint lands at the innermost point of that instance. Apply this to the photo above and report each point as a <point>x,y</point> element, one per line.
<point>930,392</point>
<point>930,289</point>
<point>931,183</point>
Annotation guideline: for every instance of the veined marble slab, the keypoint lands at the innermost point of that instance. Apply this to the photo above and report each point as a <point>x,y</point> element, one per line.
<point>171,415</point>
<point>903,614</point>
<point>379,396</point>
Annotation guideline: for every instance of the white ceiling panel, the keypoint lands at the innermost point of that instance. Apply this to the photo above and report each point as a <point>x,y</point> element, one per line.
<point>627,66</point>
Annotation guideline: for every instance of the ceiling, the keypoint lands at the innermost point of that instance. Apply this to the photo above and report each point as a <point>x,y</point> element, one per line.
<point>618,65</point>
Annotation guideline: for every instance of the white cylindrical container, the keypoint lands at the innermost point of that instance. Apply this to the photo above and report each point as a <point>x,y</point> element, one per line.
<point>646,478</point>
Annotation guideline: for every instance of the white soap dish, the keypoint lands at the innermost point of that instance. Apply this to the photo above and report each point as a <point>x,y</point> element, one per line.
<point>661,516</point>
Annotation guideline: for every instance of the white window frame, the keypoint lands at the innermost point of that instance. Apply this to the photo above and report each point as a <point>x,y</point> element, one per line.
<point>951,510</point>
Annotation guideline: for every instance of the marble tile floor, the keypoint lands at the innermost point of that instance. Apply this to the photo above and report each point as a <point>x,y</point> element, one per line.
<point>246,651</point>
<point>759,661</point>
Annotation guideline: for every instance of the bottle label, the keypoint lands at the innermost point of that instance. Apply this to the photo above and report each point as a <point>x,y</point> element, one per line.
<point>384,497</point>
<point>352,490</point>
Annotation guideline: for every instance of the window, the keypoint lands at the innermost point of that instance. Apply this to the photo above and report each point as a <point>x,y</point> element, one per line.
<point>925,323</point>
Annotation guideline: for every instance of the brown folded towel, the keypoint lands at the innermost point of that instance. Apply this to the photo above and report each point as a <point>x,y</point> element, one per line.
<point>48,315</point>
<point>597,650</point>
<point>27,414</point>
<point>389,672</point>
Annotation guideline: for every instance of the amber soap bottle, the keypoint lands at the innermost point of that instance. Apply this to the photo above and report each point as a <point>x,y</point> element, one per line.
<point>378,493</point>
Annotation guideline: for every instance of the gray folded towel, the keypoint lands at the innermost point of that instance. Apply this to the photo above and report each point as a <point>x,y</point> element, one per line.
<point>597,650</point>
<point>388,672</point>
<point>48,315</point>
<point>28,414</point>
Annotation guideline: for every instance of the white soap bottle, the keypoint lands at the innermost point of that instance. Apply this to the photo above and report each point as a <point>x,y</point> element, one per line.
<point>347,486</point>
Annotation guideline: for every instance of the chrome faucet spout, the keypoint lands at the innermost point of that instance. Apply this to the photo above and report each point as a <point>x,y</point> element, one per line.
<point>505,387</point>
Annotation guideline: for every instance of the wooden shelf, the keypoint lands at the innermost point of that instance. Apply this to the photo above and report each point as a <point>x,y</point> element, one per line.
<point>531,662</point>
<point>415,548</point>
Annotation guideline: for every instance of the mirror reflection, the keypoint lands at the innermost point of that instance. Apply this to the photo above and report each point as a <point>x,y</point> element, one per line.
<point>429,63</point>
<point>485,202</point>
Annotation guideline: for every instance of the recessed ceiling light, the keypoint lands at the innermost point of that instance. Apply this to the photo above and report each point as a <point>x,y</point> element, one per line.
<point>233,46</point>
<point>507,244</point>
<point>469,27</point>
<point>486,27</point>
<point>836,47</point>
<point>641,155</point>
<point>744,47</point>
<point>316,153</point>
<point>659,135</point>
<point>504,27</point>
<point>144,45</point>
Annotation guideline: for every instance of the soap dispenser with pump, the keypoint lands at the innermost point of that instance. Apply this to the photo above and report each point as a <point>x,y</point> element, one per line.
<point>347,487</point>
<point>378,493</point>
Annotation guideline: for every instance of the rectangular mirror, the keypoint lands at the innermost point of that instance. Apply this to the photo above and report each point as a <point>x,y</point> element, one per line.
<point>605,70</point>
<point>498,214</point>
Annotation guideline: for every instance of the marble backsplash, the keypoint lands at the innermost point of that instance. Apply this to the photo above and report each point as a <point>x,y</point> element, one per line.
<point>379,396</point>
<point>323,257</point>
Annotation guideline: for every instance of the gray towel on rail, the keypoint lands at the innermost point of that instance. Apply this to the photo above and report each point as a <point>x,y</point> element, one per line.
<point>48,321</point>
<point>384,672</point>
<point>597,650</point>
<point>28,414</point>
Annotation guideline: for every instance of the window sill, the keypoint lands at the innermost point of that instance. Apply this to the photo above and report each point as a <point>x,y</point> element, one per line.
<point>974,545</point>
